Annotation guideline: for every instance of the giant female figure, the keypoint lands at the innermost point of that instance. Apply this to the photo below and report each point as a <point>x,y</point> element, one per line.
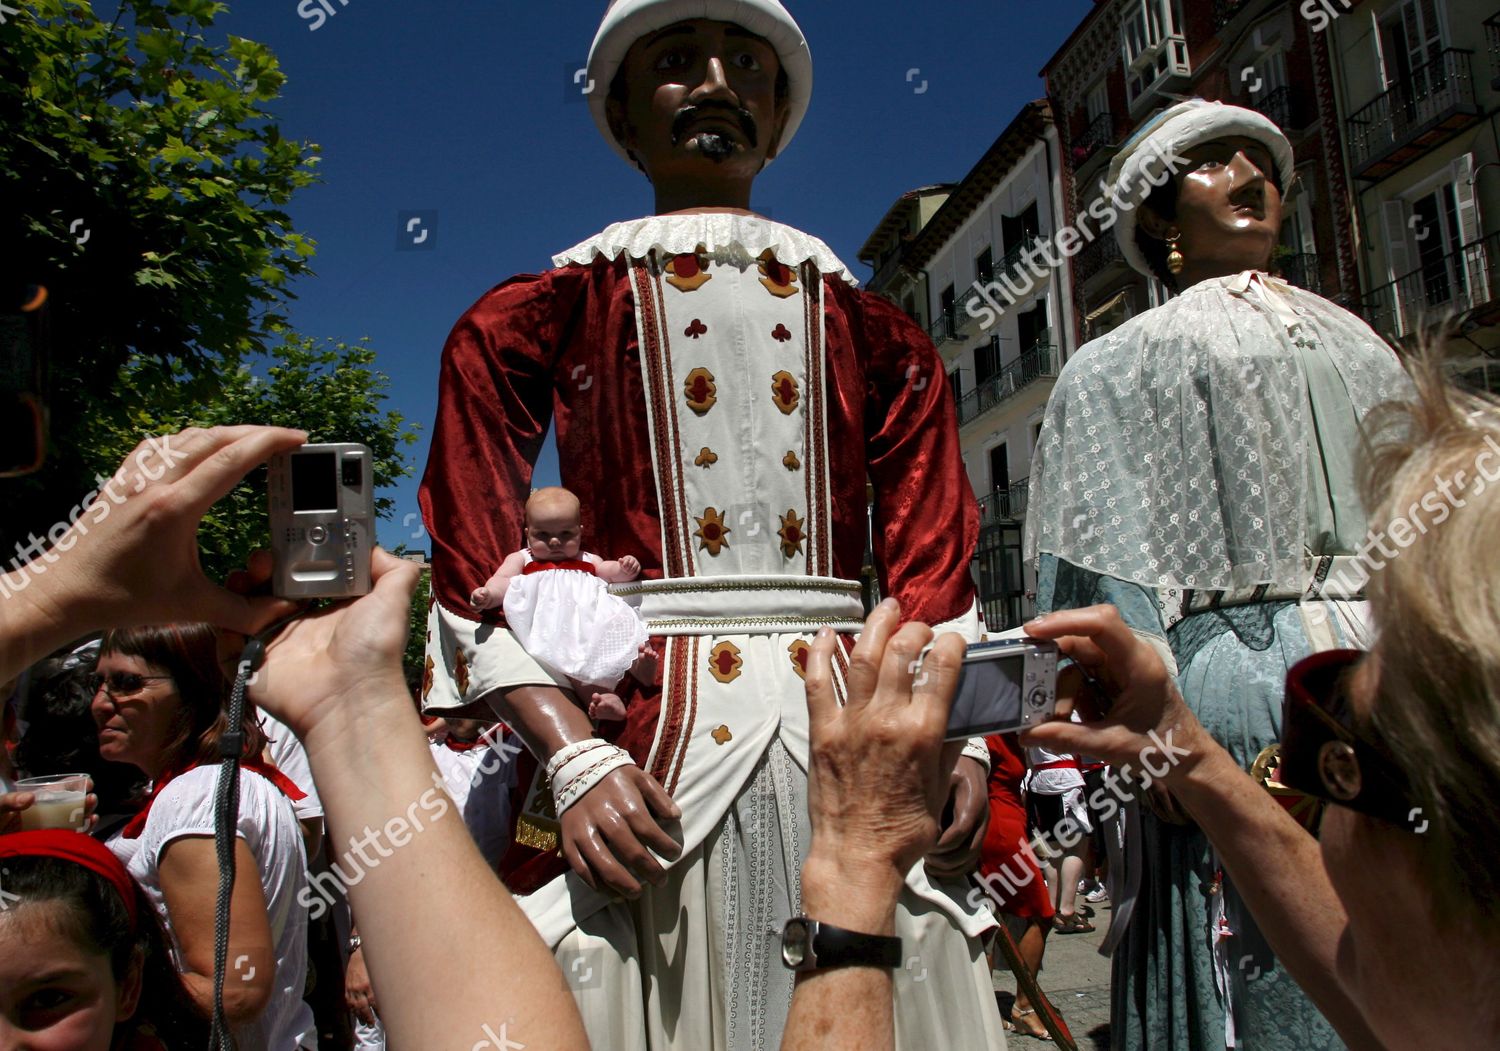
<point>1197,471</point>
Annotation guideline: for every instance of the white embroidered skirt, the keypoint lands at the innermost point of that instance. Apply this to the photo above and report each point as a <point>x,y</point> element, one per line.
<point>569,622</point>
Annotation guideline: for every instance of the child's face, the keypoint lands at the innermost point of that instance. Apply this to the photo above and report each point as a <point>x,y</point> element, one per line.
<point>55,995</point>
<point>553,534</point>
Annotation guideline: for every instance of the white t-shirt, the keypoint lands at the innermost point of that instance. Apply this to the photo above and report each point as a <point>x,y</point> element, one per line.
<point>269,828</point>
<point>480,780</point>
<point>287,755</point>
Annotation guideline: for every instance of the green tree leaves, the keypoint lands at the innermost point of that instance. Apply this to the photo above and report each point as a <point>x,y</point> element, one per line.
<point>332,391</point>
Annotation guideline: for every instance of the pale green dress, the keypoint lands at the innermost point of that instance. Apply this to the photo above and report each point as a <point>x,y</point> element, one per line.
<point>1179,983</point>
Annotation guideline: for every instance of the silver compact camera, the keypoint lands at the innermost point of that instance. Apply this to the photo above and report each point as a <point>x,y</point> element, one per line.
<point>1003,685</point>
<point>322,521</point>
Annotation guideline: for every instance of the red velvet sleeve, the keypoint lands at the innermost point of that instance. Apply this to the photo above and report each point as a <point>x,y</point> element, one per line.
<point>926,517</point>
<point>495,396</point>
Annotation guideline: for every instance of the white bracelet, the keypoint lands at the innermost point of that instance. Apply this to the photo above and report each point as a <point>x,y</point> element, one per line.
<point>569,752</point>
<point>977,750</point>
<point>575,779</point>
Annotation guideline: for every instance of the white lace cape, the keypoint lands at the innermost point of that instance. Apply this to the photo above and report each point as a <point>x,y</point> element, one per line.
<point>729,238</point>
<point>1174,450</point>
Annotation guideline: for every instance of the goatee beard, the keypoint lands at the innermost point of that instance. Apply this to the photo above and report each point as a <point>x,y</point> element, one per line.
<point>717,148</point>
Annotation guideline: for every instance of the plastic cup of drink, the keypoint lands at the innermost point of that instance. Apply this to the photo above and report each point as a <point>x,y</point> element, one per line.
<point>59,802</point>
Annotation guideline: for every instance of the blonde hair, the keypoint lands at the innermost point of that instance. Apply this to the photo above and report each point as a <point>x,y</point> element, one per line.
<point>553,497</point>
<point>1438,694</point>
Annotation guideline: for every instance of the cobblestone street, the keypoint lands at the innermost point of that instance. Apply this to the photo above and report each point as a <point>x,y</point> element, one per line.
<point>1076,979</point>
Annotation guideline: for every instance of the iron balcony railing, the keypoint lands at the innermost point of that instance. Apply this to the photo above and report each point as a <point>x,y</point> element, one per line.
<point>1281,107</point>
<point>1301,270</point>
<point>1463,280</point>
<point>1100,132</point>
<point>1225,10</point>
<point>1479,376</point>
<point>1008,264</point>
<point>1412,109</point>
<point>1040,362</point>
<point>1492,35</point>
<point>1093,259</point>
<point>943,328</point>
<point>1003,505</point>
<point>1011,261</point>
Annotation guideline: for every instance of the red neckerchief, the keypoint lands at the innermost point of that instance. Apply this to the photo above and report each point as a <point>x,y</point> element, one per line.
<point>288,788</point>
<point>455,745</point>
<point>538,566</point>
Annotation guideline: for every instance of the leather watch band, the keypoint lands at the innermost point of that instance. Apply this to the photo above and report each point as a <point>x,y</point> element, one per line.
<point>809,945</point>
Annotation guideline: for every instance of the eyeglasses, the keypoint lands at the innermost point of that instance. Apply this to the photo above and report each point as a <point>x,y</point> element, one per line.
<point>122,683</point>
<point>1323,755</point>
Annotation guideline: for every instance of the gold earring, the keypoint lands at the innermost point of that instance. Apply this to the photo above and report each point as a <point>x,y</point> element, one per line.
<point>1175,262</point>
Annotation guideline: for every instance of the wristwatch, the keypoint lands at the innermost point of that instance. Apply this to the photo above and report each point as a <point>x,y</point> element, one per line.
<point>807,945</point>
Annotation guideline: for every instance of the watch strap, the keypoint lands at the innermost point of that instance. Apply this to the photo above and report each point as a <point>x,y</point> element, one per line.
<point>822,945</point>
<point>837,947</point>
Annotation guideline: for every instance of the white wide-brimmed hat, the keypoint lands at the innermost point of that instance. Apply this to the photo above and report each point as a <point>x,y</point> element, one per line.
<point>1170,134</point>
<point>627,21</point>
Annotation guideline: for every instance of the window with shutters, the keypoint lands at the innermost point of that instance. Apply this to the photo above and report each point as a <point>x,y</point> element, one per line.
<point>1265,78</point>
<point>1098,104</point>
<point>1154,46</point>
<point>986,361</point>
<point>1000,469</point>
<point>1411,37</point>
<point>1411,49</point>
<point>1435,244</point>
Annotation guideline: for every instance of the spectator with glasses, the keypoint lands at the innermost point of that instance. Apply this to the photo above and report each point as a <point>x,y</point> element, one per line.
<point>1388,920</point>
<point>158,700</point>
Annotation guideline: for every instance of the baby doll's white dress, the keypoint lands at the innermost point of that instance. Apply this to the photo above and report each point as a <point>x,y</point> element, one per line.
<point>564,616</point>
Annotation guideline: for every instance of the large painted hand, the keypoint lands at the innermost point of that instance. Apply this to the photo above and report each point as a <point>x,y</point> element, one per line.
<point>608,835</point>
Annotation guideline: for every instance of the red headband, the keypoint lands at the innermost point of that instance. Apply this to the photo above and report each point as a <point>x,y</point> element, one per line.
<point>80,850</point>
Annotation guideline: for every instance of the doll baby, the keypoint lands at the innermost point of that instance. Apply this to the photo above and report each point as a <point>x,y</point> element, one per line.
<point>556,602</point>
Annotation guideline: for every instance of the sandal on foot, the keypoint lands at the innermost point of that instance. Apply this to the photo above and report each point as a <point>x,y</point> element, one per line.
<point>1015,1025</point>
<point>1074,924</point>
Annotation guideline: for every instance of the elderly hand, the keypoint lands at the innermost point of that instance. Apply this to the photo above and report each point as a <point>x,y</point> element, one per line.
<point>131,557</point>
<point>1145,717</point>
<point>879,771</point>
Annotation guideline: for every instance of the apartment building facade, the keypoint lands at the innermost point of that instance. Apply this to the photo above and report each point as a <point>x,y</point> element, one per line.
<point>1418,84</point>
<point>1001,349</point>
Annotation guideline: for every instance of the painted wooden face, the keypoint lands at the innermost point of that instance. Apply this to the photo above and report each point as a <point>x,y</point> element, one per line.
<point>700,102</point>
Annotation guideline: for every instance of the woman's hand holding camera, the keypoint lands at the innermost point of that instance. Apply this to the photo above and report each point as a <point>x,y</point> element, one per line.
<point>1127,698</point>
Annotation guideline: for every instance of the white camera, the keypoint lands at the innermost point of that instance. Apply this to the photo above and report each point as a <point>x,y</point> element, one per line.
<point>322,521</point>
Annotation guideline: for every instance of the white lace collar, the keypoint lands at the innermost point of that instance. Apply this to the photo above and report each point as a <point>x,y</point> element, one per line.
<point>730,238</point>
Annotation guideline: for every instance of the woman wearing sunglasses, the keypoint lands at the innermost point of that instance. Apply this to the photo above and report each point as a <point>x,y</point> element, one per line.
<point>1388,921</point>
<point>158,700</point>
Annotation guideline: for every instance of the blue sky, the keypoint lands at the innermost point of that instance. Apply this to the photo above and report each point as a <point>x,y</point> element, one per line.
<point>465,108</point>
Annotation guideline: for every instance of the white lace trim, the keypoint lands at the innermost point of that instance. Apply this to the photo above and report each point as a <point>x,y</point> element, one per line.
<point>730,239</point>
<point>1174,450</point>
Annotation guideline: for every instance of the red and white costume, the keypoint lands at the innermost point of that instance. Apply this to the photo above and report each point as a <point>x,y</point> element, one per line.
<point>720,386</point>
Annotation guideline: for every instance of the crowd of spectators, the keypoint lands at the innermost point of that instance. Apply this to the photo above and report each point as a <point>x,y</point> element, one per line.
<point>107,938</point>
